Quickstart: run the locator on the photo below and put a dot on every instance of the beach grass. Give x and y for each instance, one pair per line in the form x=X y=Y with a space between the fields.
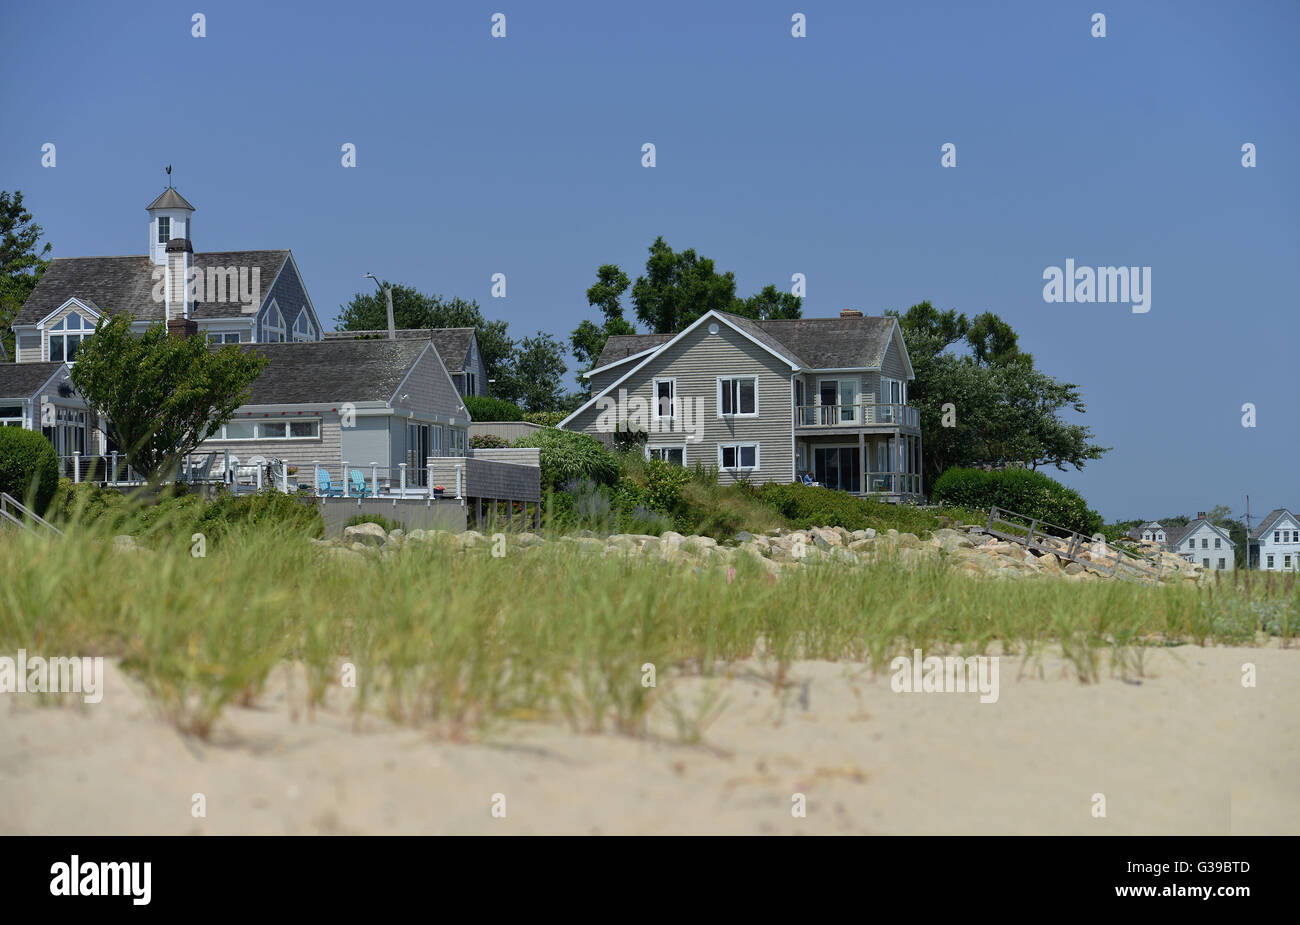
x=458 y=642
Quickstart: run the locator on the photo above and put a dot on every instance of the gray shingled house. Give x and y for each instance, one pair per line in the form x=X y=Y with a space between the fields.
x=458 y=348
x=824 y=398
x=40 y=396
x=229 y=296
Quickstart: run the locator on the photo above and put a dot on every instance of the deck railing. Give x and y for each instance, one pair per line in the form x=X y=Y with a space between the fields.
x=863 y=414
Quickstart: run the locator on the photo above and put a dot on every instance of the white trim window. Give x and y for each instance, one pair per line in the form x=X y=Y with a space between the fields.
x=223 y=337
x=665 y=392
x=270 y=429
x=164 y=228
x=273 y=325
x=456 y=441
x=67 y=336
x=435 y=440
x=737 y=396
x=738 y=457
x=302 y=328
x=668 y=453
x=11 y=416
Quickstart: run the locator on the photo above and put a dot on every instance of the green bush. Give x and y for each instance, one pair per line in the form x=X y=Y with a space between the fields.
x=1021 y=490
x=287 y=512
x=545 y=418
x=488 y=442
x=29 y=467
x=486 y=408
x=567 y=455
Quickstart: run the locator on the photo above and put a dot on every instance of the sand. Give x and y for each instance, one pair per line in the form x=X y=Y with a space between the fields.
x=1184 y=749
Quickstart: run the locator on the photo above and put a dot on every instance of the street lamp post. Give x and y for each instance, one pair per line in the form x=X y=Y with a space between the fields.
x=388 y=297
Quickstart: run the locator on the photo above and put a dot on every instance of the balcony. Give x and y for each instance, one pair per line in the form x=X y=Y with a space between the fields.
x=862 y=416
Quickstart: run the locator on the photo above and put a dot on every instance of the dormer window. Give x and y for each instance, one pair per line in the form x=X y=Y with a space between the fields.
x=302 y=330
x=66 y=337
x=164 y=229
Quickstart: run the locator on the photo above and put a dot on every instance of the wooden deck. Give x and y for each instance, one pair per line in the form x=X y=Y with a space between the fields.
x=1092 y=553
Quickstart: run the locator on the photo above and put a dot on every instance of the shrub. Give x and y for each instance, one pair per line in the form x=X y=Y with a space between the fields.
x=488 y=442
x=486 y=408
x=545 y=418
x=29 y=467
x=269 y=507
x=567 y=455
x=1021 y=490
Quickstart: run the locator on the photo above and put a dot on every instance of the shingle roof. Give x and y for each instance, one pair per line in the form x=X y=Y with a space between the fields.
x=1175 y=536
x=332 y=370
x=622 y=346
x=452 y=344
x=170 y=199
x=126 y=284
x=21 y=380
x=810 y=343
x=1267 y=523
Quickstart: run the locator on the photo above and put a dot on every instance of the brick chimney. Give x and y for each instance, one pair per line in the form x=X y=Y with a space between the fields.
x=180 y=255
x=182 y=327
x=850 y=313
x=1200 y=515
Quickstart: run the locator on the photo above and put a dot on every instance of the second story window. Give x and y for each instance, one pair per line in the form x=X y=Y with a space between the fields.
x=66 y=337
x=738 y=395
x=164 y=229
x=665 y=399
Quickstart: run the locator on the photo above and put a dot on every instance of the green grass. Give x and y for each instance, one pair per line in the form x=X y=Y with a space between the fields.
x=459 y=643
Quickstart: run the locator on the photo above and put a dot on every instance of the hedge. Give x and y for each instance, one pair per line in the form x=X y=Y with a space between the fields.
x=1024 y=491
x=29 y=467
x=567 y=455
x=486 y=408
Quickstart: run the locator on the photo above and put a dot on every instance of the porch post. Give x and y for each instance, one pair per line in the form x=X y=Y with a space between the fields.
x=401 y=469
x=460 y=473
x=115 y=466
x=863 y=484
x=428 y=471
x=374 y=479
x=76 y=465
x=344 y=477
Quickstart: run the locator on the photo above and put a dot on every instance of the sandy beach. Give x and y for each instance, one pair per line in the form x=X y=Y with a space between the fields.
x=1185 y=749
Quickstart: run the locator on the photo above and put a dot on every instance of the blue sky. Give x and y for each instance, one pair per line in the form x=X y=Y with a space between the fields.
x=775 y=156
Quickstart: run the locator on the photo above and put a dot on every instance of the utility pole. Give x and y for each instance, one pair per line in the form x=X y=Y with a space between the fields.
x=388 y=297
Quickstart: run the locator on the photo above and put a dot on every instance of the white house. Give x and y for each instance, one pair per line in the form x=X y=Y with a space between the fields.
x=1204 y=543
x=1274 y=545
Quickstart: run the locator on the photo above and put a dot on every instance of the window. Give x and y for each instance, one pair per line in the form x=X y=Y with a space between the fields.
x=738 y=396
x=1277 y=536
x=1286 y=562
x=435 y=445
x=1205 y=542
x=1221 y=564
x=1270 y=562
x=273 y=326
x=66 y=337
x=302 y=329
x=472 y=379
x=1295 y=536
x=223 y=337
x=672 y=454
x=738 y=456
x=1218 y=543
x=270 y=430
x=456 y=441
x=11 y=415
x=1146 y=535
x=666 y=399
x=164 y=229
x=840 y=399
x=1205 y=562
x=417 y=455
x=1191 y=544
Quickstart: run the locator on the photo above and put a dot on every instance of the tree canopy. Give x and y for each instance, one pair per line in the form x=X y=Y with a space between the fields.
x=162 y=395
x=22 y=261
x=1004 y=411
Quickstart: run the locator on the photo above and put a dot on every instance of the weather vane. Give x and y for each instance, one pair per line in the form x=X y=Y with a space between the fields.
x=169 y=175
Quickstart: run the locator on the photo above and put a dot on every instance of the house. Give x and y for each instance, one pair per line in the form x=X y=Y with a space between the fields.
x=458 y=348
x=40 y=396
x=1150 y=532
x=228 y=296
x=762 y=401
x=1274 y=546
x=1204 y=543
x=366 y=403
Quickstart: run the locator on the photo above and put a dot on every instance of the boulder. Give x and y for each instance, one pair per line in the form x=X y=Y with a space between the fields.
x=367 y=533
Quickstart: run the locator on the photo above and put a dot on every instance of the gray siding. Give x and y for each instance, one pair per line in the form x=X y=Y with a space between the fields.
x=300 y=453
x=367 y=442
x=696 y=362
x=29 y=349
x=291 y=298
x=485 y=478
x=431 y=396
x=506 y=430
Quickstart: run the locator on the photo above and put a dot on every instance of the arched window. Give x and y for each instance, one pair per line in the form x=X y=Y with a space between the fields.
x=273 y=326
x=67 y=335
x=302 y=328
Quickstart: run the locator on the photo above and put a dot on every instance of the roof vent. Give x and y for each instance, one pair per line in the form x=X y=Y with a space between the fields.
x=850 y=313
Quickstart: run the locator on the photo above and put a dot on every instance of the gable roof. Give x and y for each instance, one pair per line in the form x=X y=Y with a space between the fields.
x=318 y=372
x=1175 y=536
x=452 y=343
x=808 y=343
x=126 y=284
x=1269 y=520
x=23 y=380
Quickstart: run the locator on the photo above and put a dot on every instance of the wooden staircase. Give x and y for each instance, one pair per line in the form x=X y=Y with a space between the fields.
x=1092 y=552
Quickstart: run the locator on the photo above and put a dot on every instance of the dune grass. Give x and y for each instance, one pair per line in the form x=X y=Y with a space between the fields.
x=457 y=642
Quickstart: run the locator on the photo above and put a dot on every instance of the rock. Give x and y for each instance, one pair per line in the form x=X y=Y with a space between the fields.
x=867 y=543
x=526 y=540
x=396 y=537
x=743 y=536
x=908 y=540
x=417 y=535
x=1073 y=568
x=670 y=541
x=124 y=542
x=825 y=537
x=472 y=539
x=368 y=533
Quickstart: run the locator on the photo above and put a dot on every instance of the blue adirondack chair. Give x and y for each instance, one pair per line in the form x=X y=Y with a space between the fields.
x=357 y=482
x=325 y=487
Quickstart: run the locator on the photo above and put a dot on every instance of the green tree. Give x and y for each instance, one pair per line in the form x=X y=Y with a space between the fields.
x=1006 y=410
x=769 y=303
x=368 y=311
x=678 y=288
x=22 y=261
x=161 y=395
x=588 y=339
x=532 y=378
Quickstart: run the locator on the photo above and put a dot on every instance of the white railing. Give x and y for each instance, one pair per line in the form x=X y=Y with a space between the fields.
x=863 y=413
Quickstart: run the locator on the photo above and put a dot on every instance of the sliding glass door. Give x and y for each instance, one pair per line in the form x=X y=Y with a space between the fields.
x=838 y=467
